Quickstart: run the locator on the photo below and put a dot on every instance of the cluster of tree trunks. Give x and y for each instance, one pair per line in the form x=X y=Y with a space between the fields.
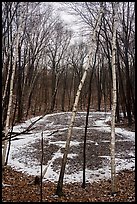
x=48 y=68
x=43 y=71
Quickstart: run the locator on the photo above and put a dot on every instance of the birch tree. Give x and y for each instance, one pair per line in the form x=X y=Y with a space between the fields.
x=7 y=125
x=77 y=56
x=88 y=63
x=87 y=115
x=114 y=99
x=9 y=10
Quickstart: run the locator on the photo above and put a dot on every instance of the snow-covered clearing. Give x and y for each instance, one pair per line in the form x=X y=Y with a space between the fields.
x=25 y=152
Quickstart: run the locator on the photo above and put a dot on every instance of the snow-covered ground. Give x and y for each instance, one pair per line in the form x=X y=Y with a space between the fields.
x=21 y=149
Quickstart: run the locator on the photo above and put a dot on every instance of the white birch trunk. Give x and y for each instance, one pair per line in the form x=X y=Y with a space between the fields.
x=8 y=74
x=60 y=181
x=113 y=169
x=6 y=84
x=7 y=126
x=17 y=40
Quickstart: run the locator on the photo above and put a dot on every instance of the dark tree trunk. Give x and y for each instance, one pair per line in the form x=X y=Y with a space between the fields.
x=64 y=91
x=53 y=86
x=128 y=88
x=99 y=90
x=117 y=106
x=85 y=136
x=88 y=109
x=121 y=86
x=13 y=122
x=19 y=88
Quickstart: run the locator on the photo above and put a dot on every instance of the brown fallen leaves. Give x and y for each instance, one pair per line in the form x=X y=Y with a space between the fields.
x=17 y=188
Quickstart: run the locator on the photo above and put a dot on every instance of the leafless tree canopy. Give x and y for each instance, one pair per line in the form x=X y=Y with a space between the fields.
x=43 y=65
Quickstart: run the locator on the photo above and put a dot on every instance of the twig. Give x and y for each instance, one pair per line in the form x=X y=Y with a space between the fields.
x=29 y=128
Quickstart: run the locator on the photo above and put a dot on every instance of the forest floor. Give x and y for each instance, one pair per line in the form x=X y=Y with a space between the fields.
x=24 y=161
x=19 y=189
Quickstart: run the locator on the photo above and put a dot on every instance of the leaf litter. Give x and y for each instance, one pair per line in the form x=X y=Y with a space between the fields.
x=25 y=156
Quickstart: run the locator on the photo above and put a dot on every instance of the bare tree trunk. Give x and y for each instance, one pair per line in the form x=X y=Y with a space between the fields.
x=54 y=93
x=64 y=159
x=86 y=126
x=88 y=109
x=6 y=85
x=32 y=86
x=99 y=89
x=13 y=122
x=10 y=104
x=19 y=87
x=114 y=100
x=121 y=86
x=117 y=106
x=41 y=165
x=7 y=126
x=64 y=91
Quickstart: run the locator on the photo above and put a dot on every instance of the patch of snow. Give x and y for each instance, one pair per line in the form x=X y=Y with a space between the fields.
x=58 y=143
x=78 y=128
x=106 y=128
x=105 y=141
x=62 y=129
x=90 y=141
x=105 y=156
x=131 y=154
x=128 y=134
x=72 y=155
x=6 y=185
x=108 y=119
x=74 y=143
x=62 y=143
x=100 y=123
x=124 y=164
x=102 y=129
x=21 y=163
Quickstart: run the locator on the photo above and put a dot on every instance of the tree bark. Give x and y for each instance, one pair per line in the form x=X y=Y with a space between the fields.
x=10 y=103
x=13 y=122
x=114 y=100
x=41 y=165
x=64 y=159
x=7 y=126
x=88 y=109
x=86 y=126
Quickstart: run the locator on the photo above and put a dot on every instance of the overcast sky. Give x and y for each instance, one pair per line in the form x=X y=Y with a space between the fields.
x=61 y=9
x=69 y=20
